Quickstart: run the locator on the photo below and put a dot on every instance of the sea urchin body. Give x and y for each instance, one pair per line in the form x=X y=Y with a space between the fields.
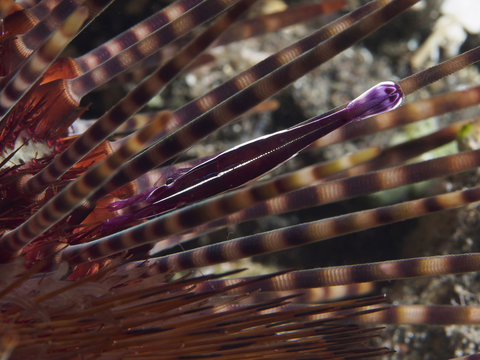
x=87 y=243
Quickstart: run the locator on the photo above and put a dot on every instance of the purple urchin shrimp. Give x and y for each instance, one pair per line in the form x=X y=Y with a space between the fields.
x=250 y=160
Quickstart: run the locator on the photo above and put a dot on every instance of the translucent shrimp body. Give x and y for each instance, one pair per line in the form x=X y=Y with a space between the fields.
x=252 y=159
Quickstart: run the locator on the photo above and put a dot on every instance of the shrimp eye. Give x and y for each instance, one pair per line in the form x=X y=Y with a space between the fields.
x=169 y=181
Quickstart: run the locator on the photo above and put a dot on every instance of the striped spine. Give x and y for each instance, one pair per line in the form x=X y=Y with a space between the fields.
x=424 y=314
x=24 y=45
x=128 y=106
x=301 y=295
x=38 y=34
x=359 y=273
x=208 y=101
x=275 y=21
x=437 y=72
x=133 y=35
x=301 y=197
x=405 y=114
x=248 y=97
x=190 y=217
x=297 y=191
x=300 y=234
x=204 y=11
x=410 y=149
x=22 y=81
x=75 y=193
